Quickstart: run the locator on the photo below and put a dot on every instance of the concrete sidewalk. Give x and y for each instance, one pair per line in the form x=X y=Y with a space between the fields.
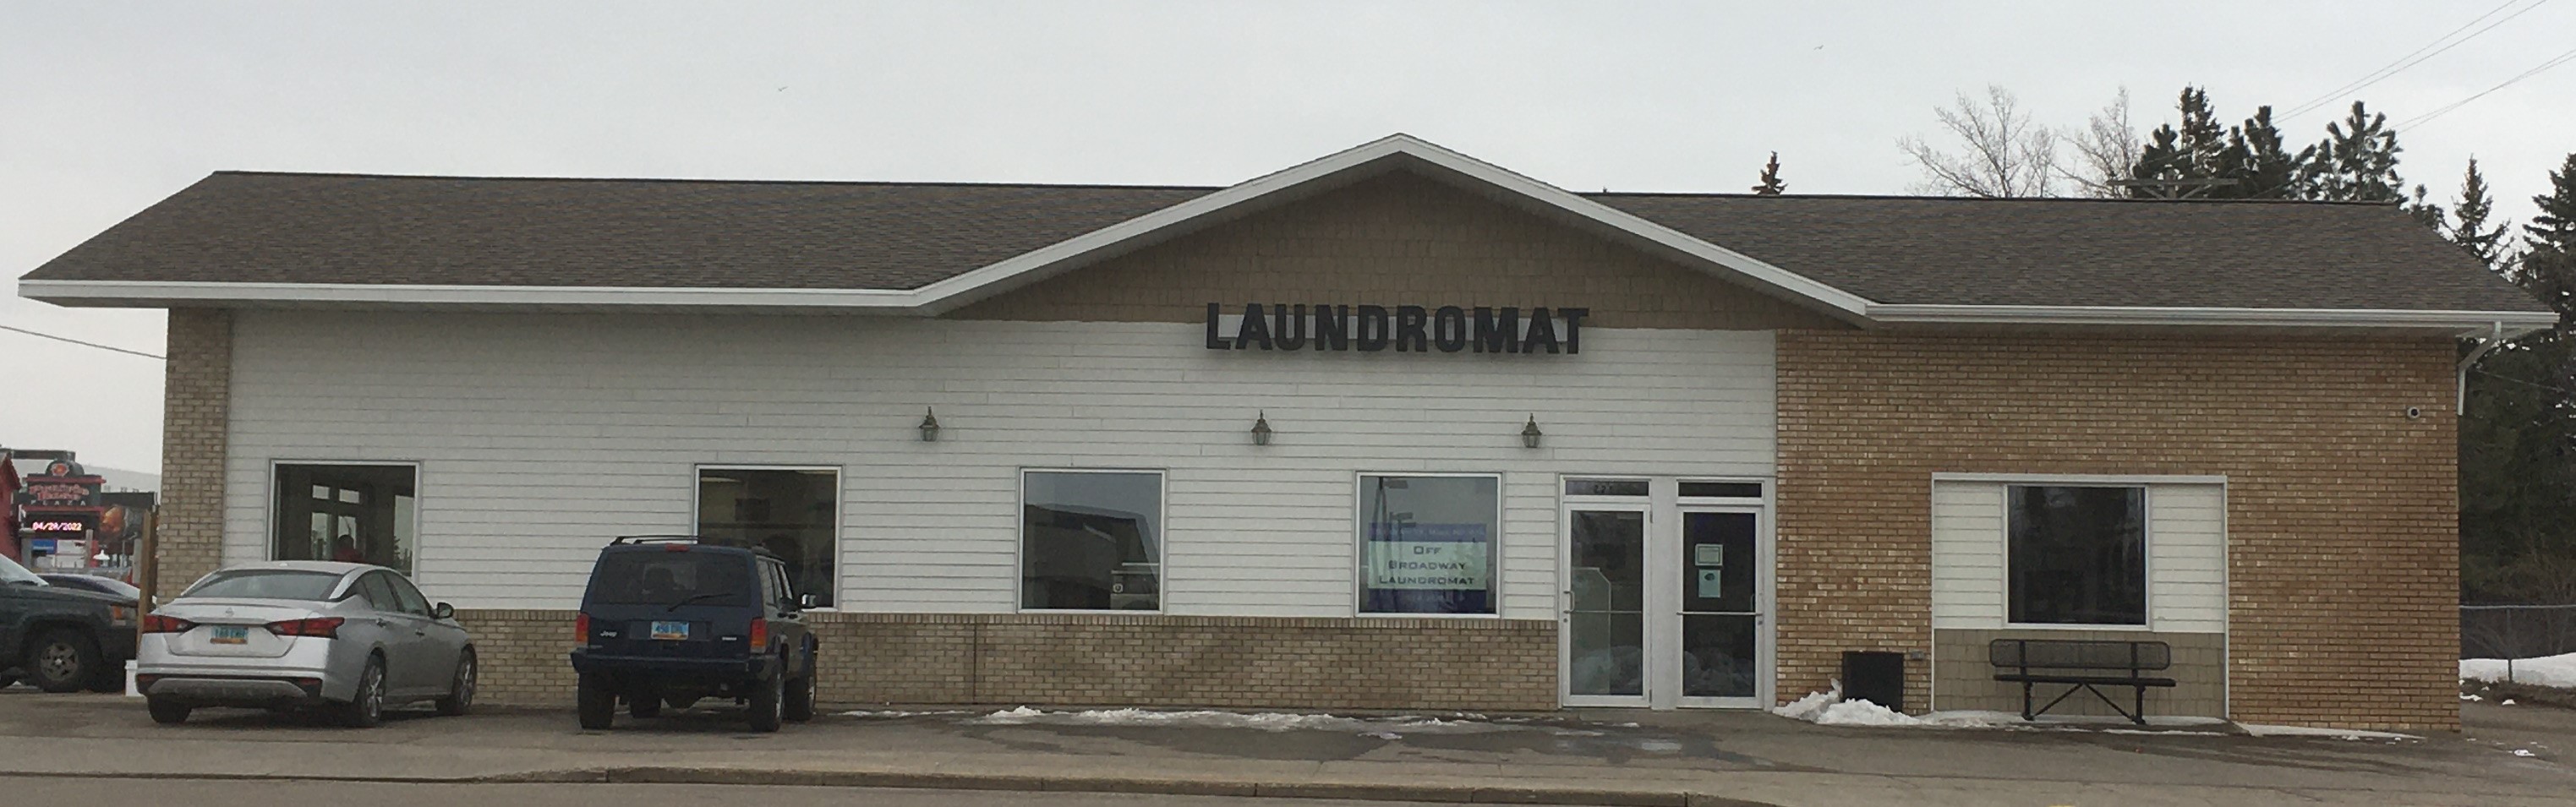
x=1610 y=758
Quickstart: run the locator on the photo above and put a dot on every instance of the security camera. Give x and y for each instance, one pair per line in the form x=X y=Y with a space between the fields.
x=2414 y=412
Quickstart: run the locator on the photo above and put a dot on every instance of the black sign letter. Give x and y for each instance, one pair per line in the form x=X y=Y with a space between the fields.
x=1215 y=342
x=1291 y=333
x=1574 y=328
x=1332 y=327
x=1408 y=329
x=1373 y=328
x=1542 y=333
x=1498 y=335
x=1255 y=331
x=1449 y=328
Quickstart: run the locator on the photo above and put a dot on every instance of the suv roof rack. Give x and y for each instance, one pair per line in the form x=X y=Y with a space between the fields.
x=655 y=539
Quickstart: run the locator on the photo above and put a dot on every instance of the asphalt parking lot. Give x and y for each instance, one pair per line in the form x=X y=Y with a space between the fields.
x=2508 y=755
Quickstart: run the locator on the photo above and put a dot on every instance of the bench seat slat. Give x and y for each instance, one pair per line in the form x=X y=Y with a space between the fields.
x=2036 y=678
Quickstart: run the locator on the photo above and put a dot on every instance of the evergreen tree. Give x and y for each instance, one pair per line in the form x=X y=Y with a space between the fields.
x=2518 y=442
x=2192 y=151
x=2469 y=226
x=2256 y=160
x=2357 y=162
x=1771 y=184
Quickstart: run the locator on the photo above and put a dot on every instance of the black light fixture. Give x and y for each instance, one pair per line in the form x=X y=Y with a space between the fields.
x=1261 y=429
x=1530 y=433
x=929 y=426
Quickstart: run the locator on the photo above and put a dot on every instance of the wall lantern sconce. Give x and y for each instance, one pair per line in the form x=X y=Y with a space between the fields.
x=1261 y=429
x=1530 y=433
x=929 y=426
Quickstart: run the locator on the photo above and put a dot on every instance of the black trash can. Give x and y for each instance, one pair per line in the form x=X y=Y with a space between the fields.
x=1877 y=677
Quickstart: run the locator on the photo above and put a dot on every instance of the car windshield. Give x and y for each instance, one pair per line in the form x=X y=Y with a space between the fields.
x=12 y=574
x=654 y=577
x=266 y=584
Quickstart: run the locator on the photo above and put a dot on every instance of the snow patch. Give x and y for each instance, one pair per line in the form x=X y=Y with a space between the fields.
x=2522 y=752
x=1257 y=721
x=2548 y=671
x=2260 y=730
x=1829 y=709
x=889 y=714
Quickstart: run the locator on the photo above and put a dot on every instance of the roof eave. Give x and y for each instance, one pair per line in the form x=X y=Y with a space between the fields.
x=2463 y=323
x=169 y=294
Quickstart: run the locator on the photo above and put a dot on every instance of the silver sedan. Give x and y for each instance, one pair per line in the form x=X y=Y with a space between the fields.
x=347 y=637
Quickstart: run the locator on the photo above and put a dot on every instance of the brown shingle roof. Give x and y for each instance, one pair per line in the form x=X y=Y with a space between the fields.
x=313 y=228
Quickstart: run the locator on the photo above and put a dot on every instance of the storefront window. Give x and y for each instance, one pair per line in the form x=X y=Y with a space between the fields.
x=1427 y=544
x=348 y=513
x=792 y=512
x=1089 y=540
x=2079 y=555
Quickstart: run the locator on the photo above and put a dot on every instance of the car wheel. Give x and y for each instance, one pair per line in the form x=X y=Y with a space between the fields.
x=799 y=706
x=766 y=701
x=596 y=702
x=62 y=660
x=366 y=707
x=644 y=704
x=165 y=712
x=460 y=692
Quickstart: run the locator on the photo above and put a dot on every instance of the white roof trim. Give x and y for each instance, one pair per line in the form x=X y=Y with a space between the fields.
x=2466 y=322
x=134 y=292
x=964 y=288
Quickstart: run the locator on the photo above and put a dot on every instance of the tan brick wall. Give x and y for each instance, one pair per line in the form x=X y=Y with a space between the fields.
x=1963 y=678
x=2342 y=512
x=1390 y=240
x=1067 y=660
x=196 y=414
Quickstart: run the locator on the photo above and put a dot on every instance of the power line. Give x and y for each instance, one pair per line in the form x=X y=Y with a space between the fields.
x=2563 y=58
x=2410 y=60
x=78 y=342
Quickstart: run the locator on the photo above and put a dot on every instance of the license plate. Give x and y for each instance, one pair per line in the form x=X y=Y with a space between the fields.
x=670 y=630
x=231 y=634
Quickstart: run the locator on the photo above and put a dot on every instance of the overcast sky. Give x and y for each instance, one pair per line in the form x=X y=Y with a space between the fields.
x=104 y=111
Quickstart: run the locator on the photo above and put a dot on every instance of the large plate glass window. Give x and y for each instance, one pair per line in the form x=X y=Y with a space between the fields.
x=2078 y=554
x=345 y=512
x=792 y=512
x=1091 y=540
x=1427 y=543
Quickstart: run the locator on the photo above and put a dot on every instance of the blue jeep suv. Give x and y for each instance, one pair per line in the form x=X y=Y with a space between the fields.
x=671 y=620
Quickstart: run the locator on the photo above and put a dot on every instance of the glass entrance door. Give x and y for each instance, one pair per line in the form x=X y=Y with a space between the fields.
x=1666 y=592
x=1605 y=619
x=1720 y=577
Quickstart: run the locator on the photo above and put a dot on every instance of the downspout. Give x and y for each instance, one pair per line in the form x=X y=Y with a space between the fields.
x=2493 y=342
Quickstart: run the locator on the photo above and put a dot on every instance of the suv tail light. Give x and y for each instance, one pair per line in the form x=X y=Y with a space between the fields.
x=156 y=623
x=581 y=628
x=759 y=634
x=327 y=627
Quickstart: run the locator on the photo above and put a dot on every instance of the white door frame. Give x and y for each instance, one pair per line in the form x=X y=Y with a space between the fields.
x=1661 y=643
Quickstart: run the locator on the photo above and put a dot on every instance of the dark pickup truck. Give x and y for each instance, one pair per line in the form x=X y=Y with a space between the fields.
x=59 y=638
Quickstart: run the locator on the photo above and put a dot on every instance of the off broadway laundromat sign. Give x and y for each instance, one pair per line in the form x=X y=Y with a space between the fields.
x=1403 y=328
x=1428 y=557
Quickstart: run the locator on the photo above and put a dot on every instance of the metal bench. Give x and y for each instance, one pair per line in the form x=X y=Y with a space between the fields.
x=2082 y=664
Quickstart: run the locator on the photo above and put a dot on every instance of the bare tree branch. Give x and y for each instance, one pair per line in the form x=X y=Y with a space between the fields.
x=2004 y=154
x=2106 y=150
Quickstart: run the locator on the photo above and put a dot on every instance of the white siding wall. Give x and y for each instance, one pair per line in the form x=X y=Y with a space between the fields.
x=540 y=436
x=2186 y=556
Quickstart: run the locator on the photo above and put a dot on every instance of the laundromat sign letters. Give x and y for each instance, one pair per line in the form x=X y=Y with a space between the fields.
x=1402 y=328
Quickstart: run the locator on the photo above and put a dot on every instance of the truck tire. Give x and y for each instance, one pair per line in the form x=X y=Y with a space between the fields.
x=61 y=660
x=596 y=702
x=768 y=702
x=799 y=705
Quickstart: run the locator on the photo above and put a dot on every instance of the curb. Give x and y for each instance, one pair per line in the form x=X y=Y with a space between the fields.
x=1352 y=791
x=896 y=780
